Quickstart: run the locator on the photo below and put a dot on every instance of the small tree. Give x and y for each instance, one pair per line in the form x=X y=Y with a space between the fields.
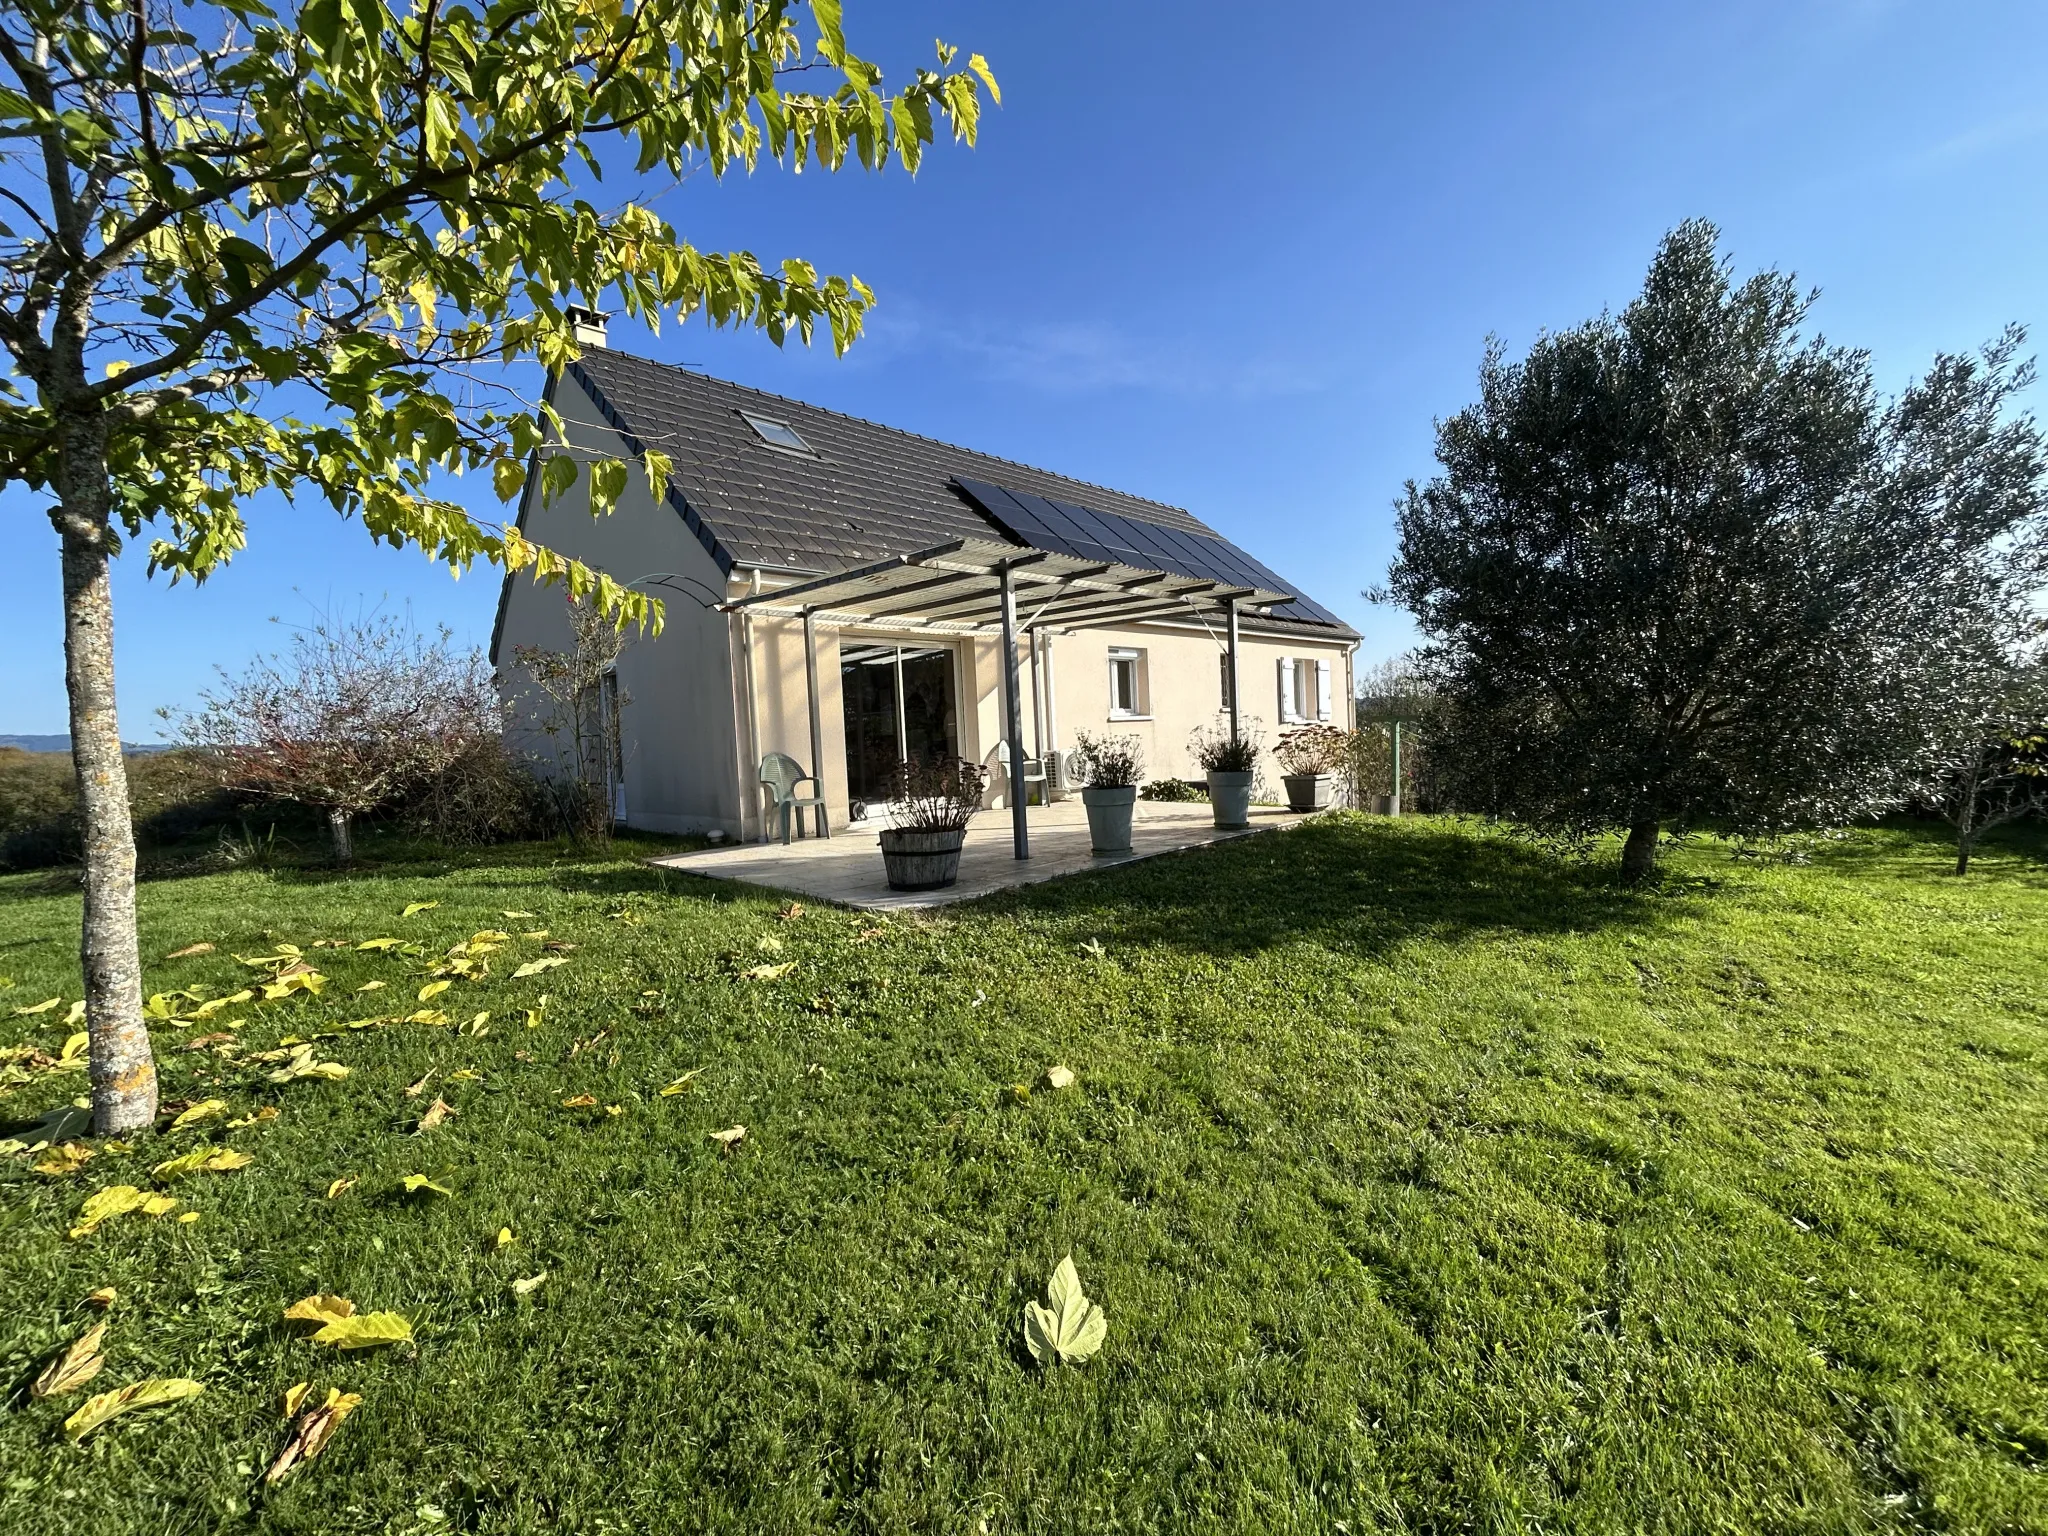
x=223 y=214
x=581 y=714
x=357 y=714
x=1682 y=563
x=1992 y=766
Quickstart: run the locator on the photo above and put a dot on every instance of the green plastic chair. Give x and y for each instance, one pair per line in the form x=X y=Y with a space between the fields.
x=780 y=775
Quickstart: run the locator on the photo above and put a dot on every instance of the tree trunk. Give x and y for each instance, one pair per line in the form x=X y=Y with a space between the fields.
x=1963 y=846
x=1639 y=853
x=123 y=1070
x=337 y=830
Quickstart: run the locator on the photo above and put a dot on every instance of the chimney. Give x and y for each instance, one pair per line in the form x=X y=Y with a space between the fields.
x=586 y=325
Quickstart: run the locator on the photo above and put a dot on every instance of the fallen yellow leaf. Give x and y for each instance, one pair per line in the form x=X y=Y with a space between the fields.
x=316 y=1428
x=320 y=1308
x=103 y=1298
x=34 y=1008
x=505 y=1237
x=1059 y=1077
x=433 y=989
x=729 y=1139
x=436 y=1116
x=115 y=1200
x=205 y=1109
x=683 y=1083
x=413 y=908
x=140 y=1394
x=365 y=1330
x=293 y=1397
x=201 y=948
x=581 y=1101
x=75 y=1367
x=63 y=1161
x=202 y=1159
x=529 y=1285
x=373 y=986
x=340 y=1187
x=535 y=967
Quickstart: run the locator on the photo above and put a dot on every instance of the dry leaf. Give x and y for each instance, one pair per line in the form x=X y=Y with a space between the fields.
x=380 y=944
x=116 y=1200
x=420 y=1184
x=341 y=1187
x=201 y=1042
x=529 y=1285
x=373 y=986
x=792 y=912
x=1071 y=1328
x=416 y=1089
x=683 y=1083
x=140 y=1394
x=34 y=1008
x=537 y=934
x=205 y=1109
x=729 y=1139
x=202 y=1159
x=189 y=950
x=103 y=1298
x=302 y=1065
x=75 y=1367
x=432 y=990
x=1059 y=1077
x=768 y=972
x=436 y=1115
x=489 y=936
x=413 y=908
x=527 y=915
x=315 y=1428
x=580 y=1101
x=74 y=1058
x=262 y=1116
x=365 y=1330
x=63 y=1161
x=535 y=967
x=320 y=1308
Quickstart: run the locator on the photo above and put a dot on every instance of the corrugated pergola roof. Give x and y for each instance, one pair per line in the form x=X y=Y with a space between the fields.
x=955 y=587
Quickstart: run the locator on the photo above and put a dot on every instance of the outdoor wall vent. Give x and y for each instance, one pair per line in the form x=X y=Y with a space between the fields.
x=586 y=325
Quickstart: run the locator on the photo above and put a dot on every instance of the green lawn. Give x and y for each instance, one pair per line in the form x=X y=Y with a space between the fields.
x=1429 y=1183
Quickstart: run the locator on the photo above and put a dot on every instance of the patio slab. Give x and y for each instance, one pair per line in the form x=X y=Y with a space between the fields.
x=846 y=868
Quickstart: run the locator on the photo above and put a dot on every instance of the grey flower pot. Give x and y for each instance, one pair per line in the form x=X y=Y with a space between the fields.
x=1230 y=797
x=1308 y=791
x=921 y=861
x=1109 y=816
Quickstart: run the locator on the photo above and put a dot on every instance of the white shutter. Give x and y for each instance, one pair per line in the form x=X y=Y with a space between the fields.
x=1323 y=691
x=1286 y=691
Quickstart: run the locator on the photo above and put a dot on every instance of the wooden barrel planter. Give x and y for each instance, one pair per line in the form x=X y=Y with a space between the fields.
x=921 y=861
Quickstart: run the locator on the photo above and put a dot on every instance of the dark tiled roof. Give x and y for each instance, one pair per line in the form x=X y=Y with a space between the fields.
x=871 y=492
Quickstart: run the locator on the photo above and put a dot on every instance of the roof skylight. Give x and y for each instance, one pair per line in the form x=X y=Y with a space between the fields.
x=777 y=434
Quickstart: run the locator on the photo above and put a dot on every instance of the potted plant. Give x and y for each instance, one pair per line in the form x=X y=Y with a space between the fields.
x=929 y=808
x=1112 y=765
x=1310 y=758
x=1231 y=764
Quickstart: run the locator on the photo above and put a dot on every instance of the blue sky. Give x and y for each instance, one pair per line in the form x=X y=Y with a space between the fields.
x=1242 y=269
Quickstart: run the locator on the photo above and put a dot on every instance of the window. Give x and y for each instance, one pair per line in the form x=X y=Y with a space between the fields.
x=1304 y=690
x=1127 y=684
x=777 y=434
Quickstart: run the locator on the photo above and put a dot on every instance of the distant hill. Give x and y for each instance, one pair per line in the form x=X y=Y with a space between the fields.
x=63 y=744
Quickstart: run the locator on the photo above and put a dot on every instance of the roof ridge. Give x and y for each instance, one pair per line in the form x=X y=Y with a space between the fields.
x=883 y=426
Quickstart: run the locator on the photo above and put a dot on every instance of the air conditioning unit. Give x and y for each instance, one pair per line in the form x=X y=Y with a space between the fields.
x=1063 y=771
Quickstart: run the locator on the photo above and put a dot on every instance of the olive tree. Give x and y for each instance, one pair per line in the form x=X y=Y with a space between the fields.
x=1683 y=562
x=296 y=247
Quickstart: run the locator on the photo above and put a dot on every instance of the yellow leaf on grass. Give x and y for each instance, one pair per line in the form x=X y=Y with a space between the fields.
x=262 y=1116
x=61 y=1162
x=75 y=1014
x=792 y=912
x=315 y=1428
x=426 y=1016
x=414 y=1090
x=34 y=1008
x=414 y=908
x=529 y=1285
x=293 y=1397
x=320 y=1308
x=519 y=914
x=340 y=1187
x=302 y=1064
x=436 y=1115
x=104 y=1205
x=373 y=986
x=1070 y=1327
x=433 y=989
x=729 y=1139
x=201 y=948
x=537 y=934
x=420 y=1184
x=768 y=972
x=203 y=1159
x=365 y=1330
x=381 y=943
x=75 y=1367
x=188 y=1218
x=505 y=1237
x=535 y=967
x=205 y=1109
x=464 y=1074
x=103 y=1298
x=580 y=1101
x=1059 y=1077
x=163 y=1205
x=683 y=1083
x=74 y=1058
x=489 y=936
x=140 y=1394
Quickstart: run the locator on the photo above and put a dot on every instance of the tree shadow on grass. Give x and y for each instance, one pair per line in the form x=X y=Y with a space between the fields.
x=1358 y=885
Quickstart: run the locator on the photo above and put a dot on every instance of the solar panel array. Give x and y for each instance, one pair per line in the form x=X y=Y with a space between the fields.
x=1066 y=529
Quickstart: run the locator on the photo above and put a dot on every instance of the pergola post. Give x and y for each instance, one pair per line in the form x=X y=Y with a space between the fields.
x=1230 y=613
x=817 y=723
x=1013 y=716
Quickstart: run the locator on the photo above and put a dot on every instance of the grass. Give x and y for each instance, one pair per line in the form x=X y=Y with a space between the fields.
x=1429 y=1184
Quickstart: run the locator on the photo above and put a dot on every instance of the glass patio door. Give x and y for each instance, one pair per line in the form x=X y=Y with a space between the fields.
x=900 y=703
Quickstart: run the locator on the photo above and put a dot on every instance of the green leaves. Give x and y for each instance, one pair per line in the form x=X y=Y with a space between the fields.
x=1071 y=1328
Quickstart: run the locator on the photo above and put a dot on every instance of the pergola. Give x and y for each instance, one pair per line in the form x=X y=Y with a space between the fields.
x=975 y=586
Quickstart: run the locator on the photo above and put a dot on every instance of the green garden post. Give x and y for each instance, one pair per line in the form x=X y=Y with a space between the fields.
x=1395 y=801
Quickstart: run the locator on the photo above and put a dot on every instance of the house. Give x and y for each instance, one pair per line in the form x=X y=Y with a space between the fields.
x=839 y=591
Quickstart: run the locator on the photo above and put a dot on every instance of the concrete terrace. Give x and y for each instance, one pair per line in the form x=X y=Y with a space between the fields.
x=846 y=868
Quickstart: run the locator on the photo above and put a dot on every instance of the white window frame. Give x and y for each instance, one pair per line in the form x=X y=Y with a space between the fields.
x=1304 y=688
x=1140 y=707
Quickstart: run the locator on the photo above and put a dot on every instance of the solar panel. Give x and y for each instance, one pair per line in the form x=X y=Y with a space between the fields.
x=1088 y=533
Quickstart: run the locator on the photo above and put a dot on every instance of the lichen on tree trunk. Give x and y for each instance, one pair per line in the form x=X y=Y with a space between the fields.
x=124 y=1087
x=338 y=834
x=1639 y=853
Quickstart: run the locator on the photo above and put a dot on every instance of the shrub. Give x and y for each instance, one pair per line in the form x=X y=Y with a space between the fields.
x=1217 y=752
x=172 y=796
x=1178 y=790
x=1313 y=749
x=936 y=795
x=1110 y=762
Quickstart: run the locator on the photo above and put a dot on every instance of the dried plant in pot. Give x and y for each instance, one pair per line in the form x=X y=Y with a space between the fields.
x=1113 y=767
x=1309 y=760
x=930 y=804
x=1231 y=764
